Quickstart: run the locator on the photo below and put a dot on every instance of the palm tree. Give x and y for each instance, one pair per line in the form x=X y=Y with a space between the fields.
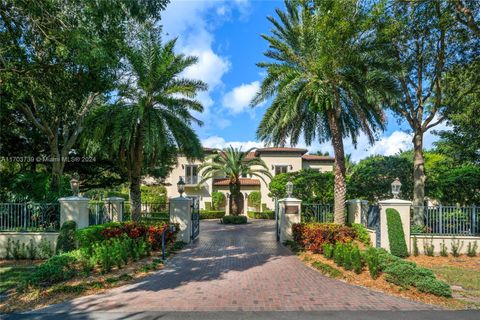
x=152 y=113
x=325 y=79
x=233 y=164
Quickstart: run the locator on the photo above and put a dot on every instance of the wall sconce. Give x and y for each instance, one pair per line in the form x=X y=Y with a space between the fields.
x=291 y=167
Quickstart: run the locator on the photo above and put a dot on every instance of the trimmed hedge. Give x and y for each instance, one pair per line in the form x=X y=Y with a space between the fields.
x=149 y=232
x=211 y=214
x=234 y=219
x=269 y=214
x=396 y=237
x=406 y=273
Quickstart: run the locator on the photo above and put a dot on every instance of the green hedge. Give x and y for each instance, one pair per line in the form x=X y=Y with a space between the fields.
x=234 y=220
x=396 y=237
x=406 y=273
x=261 y=215
x=211 y=214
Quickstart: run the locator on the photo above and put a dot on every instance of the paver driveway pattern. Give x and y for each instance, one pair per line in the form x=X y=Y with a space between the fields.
x=231 y=268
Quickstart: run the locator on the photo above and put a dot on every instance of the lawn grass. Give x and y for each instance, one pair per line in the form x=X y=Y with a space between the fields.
x=13 y=275
x=466 y=278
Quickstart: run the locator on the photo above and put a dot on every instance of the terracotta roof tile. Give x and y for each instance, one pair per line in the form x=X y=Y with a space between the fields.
x=250 y=155
x=243 y=182
x=281 y=149
x=314 y=157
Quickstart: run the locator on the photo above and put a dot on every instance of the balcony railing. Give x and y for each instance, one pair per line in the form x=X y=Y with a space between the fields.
x=191 y=180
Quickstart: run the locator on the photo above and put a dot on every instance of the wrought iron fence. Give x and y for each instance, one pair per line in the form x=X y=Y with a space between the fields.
x=316 y=212
x=151 y=210
x=448 y=220
x=30 y=217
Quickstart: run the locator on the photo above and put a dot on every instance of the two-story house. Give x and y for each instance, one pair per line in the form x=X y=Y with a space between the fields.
x=278 y=160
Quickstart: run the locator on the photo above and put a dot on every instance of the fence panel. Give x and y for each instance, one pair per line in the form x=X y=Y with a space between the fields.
x=316 y=212
x=30 y=216
x=151 y=210
x=449 y=220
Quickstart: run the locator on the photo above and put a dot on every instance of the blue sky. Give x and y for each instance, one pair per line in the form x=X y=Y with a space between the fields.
x=225 y=35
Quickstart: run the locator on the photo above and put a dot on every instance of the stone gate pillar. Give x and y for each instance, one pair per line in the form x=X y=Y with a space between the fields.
x=181 y=213
x=74 y=208
x=403 y=208
x=289 y=213
x=114 y=206
x=354 y=211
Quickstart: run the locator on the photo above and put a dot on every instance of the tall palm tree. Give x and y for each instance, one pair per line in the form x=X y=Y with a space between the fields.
x=325 y=79
x=153 y=112
x=233 y=163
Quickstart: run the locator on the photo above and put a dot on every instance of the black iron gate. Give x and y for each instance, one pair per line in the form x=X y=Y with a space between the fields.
x=373 y=221
x=195 y=219
x=277 y=222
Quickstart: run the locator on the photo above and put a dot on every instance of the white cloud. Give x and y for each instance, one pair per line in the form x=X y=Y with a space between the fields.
x=220 y=143
x=194 y=22
x=238 y=99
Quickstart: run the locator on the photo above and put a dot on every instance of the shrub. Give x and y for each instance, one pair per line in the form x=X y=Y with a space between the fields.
x=67 y=240
x=347 y=258
x=428 y=247
x=327 y=269
x=234 y=219
x=56 y=269
x=312 y=236
x=443 y=249
x=268 y=214
x=328 y=250
x=356 y=260
x=151 y=233
x=434 y=286
x=218 y=200
x=32 y=250
x=208 y=206
x=338 y=254
x=254 y=199
x=373 y=262
x=212 y=214
x=396 y=237
x=456 y=247
x=406 y=274
x=472 y=249
x=45 y=249
x=361 y=233
x=415 y=247
x=103 y=255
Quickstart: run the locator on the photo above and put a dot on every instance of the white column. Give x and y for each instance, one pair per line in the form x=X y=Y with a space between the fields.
x=181 y=213
x=227 y=206
x=354 y=210
x=403 y=208
x=289 y=213
x=76 y=209
x=115 y=208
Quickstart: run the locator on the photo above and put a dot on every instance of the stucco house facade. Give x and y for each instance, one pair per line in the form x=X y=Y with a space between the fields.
x=278 y=160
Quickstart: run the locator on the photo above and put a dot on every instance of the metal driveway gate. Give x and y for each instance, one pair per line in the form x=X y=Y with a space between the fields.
x=373 y=221
x=195 y=218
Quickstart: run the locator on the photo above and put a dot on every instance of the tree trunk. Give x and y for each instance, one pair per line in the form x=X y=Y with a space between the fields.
x=135 y=198
x=57 y=164
x=418 y=178
x=136 y=173
x=57 y=172
x=234 y=197
x=340 y=188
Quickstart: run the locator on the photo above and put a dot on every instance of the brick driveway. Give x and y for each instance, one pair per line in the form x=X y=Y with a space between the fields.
x=231 y=268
